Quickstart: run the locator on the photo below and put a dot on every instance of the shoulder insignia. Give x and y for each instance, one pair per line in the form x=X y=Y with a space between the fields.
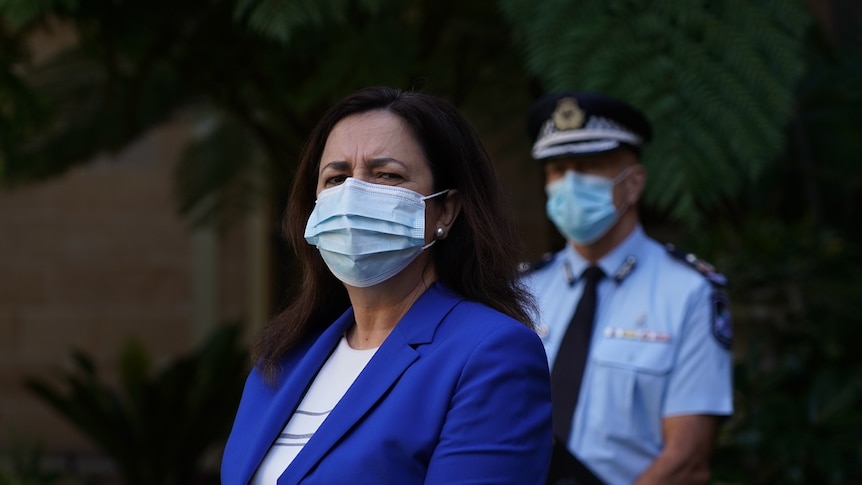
x=722 y=323
x=699 y=265
x=526 y=268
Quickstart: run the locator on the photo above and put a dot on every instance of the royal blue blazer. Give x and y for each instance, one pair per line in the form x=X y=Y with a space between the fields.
x=458 y=393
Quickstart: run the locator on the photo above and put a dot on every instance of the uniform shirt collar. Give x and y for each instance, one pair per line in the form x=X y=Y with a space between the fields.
x=611 y=262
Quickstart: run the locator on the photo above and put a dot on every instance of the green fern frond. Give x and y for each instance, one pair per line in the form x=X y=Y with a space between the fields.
x=716 y=79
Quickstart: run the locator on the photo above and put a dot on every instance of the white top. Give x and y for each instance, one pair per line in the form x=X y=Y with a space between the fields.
x=329 y=386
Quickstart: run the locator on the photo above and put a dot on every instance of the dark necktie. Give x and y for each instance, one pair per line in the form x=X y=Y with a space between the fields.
x=572 y=356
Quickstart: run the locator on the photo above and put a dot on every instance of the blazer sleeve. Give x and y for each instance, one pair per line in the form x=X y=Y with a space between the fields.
x=498 y=427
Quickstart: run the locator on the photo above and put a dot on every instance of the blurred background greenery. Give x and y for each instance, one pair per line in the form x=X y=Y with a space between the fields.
x=757 y=106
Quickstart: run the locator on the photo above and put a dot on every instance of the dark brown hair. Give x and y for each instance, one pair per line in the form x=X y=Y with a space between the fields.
x=479 y=257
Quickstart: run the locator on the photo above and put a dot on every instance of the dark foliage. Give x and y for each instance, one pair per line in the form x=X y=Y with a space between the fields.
x=159 y=424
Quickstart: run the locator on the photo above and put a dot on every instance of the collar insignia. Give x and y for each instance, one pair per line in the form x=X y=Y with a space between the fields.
x=626 y=268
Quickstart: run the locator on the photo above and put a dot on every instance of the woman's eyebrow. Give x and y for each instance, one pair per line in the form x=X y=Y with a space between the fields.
x=339 y=165
x=335 y=165
x=379 y=162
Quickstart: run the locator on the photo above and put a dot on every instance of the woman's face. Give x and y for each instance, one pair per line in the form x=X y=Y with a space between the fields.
x=374 y=147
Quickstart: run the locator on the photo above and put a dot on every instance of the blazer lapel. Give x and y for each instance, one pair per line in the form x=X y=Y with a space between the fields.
x=291 y=390
x=390 y=361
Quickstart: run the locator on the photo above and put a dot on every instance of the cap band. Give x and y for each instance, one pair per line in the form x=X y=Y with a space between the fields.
x=595 y=146
x=582 y=141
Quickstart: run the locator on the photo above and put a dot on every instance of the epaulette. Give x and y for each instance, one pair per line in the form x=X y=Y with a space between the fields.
x=699 y=265
x=546 y=259
x=721 y=321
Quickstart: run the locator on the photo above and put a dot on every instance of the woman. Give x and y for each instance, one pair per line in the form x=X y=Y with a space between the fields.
x=408 y=355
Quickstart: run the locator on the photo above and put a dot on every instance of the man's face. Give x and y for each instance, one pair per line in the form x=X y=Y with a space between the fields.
x=608 y=164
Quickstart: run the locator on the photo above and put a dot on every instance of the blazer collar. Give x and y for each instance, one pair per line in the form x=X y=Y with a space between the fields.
x=394 y=356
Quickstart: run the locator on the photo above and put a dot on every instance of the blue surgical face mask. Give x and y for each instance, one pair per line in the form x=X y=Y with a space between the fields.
x=582 y=206
x=367 y=233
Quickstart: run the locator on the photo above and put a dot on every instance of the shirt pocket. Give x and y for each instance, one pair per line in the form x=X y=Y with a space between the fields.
x=631 y=377
x=649 y=357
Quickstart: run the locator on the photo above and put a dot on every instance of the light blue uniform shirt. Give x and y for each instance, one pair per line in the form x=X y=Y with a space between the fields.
x=653 y=353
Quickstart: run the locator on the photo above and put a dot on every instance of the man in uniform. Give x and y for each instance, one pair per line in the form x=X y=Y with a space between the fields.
x=637 y=333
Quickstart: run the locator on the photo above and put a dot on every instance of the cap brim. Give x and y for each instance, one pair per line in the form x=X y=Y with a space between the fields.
x=577 y=148
x=582 y=142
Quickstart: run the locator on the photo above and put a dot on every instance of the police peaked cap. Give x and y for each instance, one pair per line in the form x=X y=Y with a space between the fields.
x=579 y=123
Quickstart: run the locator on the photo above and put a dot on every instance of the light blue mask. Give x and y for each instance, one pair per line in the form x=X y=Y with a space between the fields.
x=582 y=206
x=367 y=233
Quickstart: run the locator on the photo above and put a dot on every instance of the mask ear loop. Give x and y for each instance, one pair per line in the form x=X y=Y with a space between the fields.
x=435 y=194
x=619 y=178
x=625 y=173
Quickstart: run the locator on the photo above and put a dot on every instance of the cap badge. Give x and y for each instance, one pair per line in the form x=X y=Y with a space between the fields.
x=568 y=115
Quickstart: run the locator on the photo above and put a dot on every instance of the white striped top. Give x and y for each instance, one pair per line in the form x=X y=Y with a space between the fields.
x=330 y=385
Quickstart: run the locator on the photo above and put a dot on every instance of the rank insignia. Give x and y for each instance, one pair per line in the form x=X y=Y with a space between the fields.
x=568 y=115
x=717 y=279
x=722 y=323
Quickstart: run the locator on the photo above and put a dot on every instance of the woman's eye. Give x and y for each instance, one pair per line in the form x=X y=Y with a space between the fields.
x=335 y=180
x=389 y=176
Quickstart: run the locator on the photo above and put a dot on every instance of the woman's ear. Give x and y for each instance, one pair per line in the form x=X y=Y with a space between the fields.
x=450 y=207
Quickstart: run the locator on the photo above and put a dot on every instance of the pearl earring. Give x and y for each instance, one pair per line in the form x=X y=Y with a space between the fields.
x=439 y=233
